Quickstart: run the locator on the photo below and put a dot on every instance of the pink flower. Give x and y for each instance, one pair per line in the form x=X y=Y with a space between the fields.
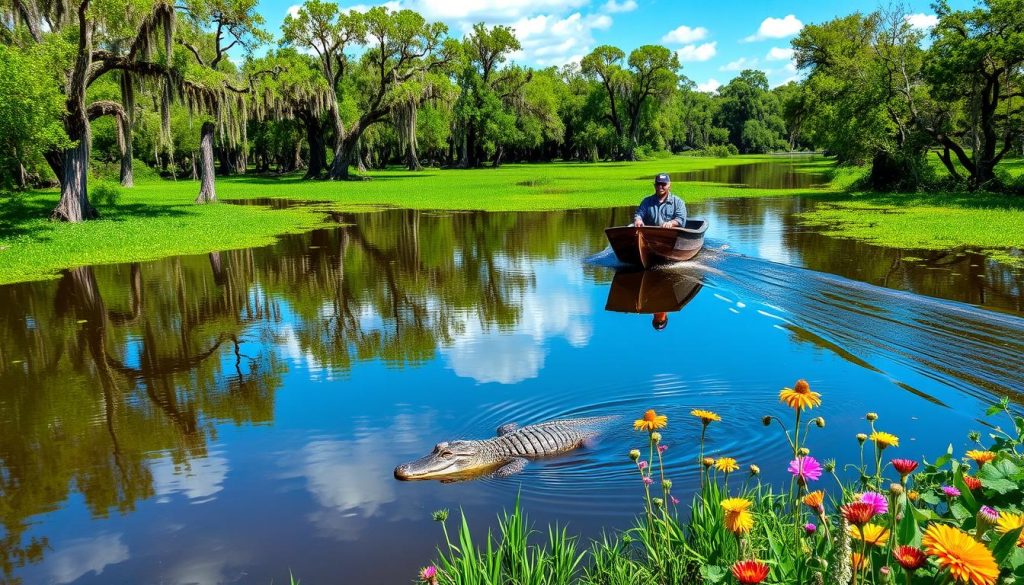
x=675 y=500
x=904 y=466
x=810 y=528
x=642 y=465
x=648 y=481
x=989 y=513
x=662 y=448
x=428 y=574
x=950 y=491
x=877 y=501
x=805 y=469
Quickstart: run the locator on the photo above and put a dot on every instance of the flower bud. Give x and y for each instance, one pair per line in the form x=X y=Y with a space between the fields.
x=861 y=437
x=634 y=454
x=884 y=575
x=707 y=461
x=666 y=484
x=755 y=470
x=974 y=436
x=872 y=416
x=912 y=495
x=985 y=520
x=895 y=489
x=804 y=452
x=830 y=465
x=819 y=422
x=440 y=515
x=656 y=437
x=658 y=502
x=627 y=539
x=766 y=420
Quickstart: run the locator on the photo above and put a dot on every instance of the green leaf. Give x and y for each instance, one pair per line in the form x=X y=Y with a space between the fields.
x=930 y=498
x=713 y=573
x=1017 y=559
x=1005 y=545
x=1001 y=476
x=994 y=409
x=966 y=497
x=907 y=532
x=923 y=516
x=959 y=511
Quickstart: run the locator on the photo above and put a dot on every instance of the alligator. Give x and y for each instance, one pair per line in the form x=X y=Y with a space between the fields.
x=504 y=455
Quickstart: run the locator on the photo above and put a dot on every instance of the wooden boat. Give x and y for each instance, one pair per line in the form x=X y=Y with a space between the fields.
x=652 y=246
x=650 y=291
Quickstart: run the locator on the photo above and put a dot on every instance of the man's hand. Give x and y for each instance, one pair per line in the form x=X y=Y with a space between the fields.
x=638 y=222
x=669 y=223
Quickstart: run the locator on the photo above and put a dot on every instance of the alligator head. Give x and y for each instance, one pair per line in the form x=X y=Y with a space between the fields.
x=448 y=461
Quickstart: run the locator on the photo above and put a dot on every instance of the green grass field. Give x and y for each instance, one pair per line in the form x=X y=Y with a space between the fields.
x=157 y=218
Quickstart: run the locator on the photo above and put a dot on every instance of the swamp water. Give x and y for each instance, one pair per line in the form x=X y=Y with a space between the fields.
x=226 y=418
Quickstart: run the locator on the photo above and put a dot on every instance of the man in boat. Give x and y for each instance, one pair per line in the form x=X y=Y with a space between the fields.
x=660 y=321
x=662 y=209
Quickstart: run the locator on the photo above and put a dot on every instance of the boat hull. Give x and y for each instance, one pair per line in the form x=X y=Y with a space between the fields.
x=654 y=246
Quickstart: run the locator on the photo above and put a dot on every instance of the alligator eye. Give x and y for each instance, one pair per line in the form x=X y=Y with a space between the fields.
x=447 y=454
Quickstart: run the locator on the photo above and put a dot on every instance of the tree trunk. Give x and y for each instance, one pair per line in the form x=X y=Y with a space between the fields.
x=297 y=155
x=361 y=166
x=127 y=174
x=208 y=190
x=74 y=198
x=317 y=148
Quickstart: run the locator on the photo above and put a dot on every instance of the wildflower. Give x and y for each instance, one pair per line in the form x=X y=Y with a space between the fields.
x=861 y=437
x=440 y=515
x=666 y=484
x=858 y=513
x=950 y=491
x=883 y=440
x=966 y=559
x=429 y=574
x=810 y=528
x=912 y=495
x=804 y=469
x=877 y=501
x=885 y=575
x=819 y=422
x=749 y=572
x=872 y=534
x=871 y=416
x=830 y=465
x=706 y=416
x=662 y=448
x=908 y=557
x=634 y=454
x=726 y=464
x=642 y=465
x=755 y=470
x=972 y=483
x=658 y=502
x=766 y=420
x=895 y=489
x=974 y=436
x=737 y=517
x=800 y=396
x=985 y=520
x=904 y=466
x=804 y=452
x=981 y=457
x=675 y=500
x=707 y=461
x=648 y=481
x=815 y=501
x=1009 y=522
x=859 y=562
x=656 y=437
x=651 y=422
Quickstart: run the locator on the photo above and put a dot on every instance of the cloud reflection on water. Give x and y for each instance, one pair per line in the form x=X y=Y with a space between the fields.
x=81 y=556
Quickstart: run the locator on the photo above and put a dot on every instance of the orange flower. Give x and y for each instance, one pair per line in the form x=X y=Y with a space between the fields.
x=706 y=416
x=750 y=572
x=1008 y=523
x=800 y=396
x=972 y=483
x=981 y=457
x=815 y=501
x=908 y=557
x=858 y=513
x=912 y=495
x=966 y=559
x=858 y=562
x=651 y=422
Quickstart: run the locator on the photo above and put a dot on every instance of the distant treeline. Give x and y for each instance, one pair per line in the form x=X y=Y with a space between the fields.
x=340 y=90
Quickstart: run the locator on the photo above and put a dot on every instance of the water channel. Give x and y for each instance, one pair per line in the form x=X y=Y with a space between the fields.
x=231 y=417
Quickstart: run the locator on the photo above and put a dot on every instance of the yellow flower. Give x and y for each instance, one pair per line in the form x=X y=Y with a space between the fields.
x=884 y=440
x=1008 y=523
x=968 y=560
x=800 y=396
x=726 y=464
x=872 y=534
x=740 y=522
x=981 y=457
x=734 y=505
x=651 y=422
x=706 y=416
x=815 y=500
x=912 y=495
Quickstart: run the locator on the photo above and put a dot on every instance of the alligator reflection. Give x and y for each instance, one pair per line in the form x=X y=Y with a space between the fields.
x=656 y=292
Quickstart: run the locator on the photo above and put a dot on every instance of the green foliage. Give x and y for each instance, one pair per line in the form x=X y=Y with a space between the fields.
x=751 y=114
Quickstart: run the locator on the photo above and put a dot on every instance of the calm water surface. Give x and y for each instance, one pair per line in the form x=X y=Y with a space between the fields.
x=226 y=418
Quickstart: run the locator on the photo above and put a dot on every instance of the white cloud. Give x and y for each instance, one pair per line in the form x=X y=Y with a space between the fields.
x=710 y=86
x=685 y=35
x=779 y=54
x=613 y=6
x=489 y=11
x=551 y=40
x=776 y=28
x=739 y=64
x=698 y=52
x=199 y=479
x=922 y=21
x=80 y=556
x=393 y=6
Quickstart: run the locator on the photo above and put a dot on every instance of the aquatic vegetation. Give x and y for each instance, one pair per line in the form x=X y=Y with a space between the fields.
x=933 y=522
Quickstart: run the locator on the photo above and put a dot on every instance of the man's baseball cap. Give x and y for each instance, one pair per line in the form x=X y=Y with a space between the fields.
x=662 y=179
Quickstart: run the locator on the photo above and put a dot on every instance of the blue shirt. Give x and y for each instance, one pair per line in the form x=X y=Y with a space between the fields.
x=654 y=212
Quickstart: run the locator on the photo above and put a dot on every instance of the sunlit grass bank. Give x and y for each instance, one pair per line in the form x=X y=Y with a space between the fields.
x=157 y=218
x=954 y=519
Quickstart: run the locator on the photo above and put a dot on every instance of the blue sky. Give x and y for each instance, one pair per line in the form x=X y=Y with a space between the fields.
x=714 y=39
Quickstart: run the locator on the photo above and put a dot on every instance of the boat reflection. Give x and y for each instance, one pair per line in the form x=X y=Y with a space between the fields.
x=654 y=292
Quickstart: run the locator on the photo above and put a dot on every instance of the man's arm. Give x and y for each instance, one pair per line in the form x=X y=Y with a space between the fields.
x=680 y=215
x=638 y=215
